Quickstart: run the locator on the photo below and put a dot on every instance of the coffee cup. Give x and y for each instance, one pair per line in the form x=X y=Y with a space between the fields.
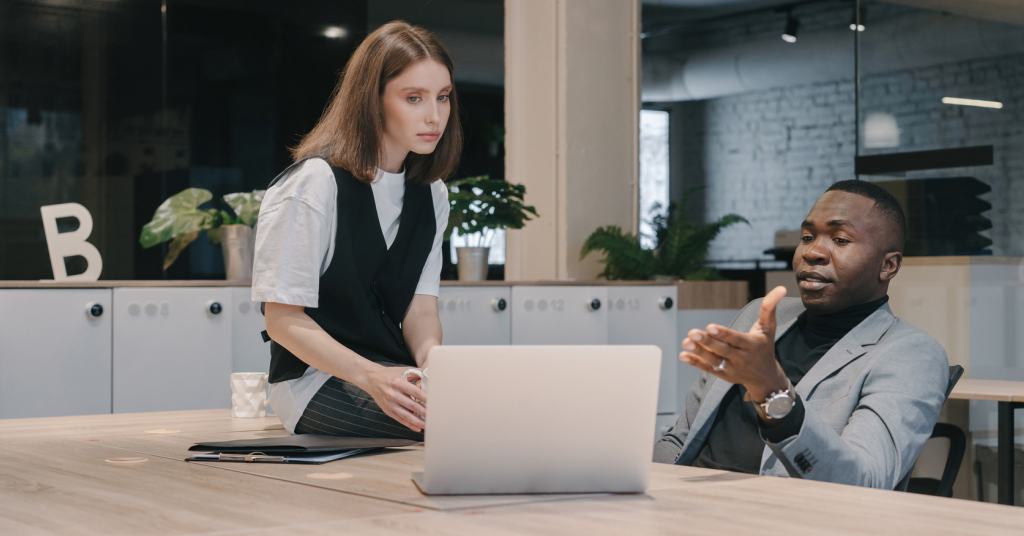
x=249 y=394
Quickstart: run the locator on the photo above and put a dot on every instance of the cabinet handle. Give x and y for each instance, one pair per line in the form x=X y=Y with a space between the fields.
x=666 y=303
x=594 y=304
x=215 y=308
x=499 y=304
x=94 y=310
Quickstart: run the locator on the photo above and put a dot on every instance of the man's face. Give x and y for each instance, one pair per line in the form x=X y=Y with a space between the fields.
x=842 y=259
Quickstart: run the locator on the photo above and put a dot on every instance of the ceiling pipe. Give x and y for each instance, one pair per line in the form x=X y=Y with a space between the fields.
x=906 y=42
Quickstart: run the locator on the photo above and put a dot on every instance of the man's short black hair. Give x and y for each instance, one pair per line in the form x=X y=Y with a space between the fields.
x=885 y=203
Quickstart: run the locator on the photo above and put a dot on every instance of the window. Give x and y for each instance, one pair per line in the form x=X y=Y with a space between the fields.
x=654 y=159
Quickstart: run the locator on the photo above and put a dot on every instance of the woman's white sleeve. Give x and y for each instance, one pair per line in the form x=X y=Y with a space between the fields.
x=430 y=278
x=293 y=239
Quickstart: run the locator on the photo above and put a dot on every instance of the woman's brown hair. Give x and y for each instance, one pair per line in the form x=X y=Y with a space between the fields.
x=348 y=134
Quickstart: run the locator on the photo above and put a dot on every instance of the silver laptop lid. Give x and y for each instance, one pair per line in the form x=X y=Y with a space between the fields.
x=540 y=419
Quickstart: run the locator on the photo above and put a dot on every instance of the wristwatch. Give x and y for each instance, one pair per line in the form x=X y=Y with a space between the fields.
x=777 y=405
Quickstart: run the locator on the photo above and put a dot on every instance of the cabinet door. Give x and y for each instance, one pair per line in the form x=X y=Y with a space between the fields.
x=697 y=318
x=476 y=315
x=54 y=352
x=647 y=315
x=559 y=315
x=249 y=352
x=172 y=348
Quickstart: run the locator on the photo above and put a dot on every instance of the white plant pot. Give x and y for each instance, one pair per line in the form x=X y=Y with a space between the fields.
x=472 y=263
x=238 y=243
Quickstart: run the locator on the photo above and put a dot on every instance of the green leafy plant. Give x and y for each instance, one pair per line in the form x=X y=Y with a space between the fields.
x=180 y=219
x=680 y=248
x=481 y=205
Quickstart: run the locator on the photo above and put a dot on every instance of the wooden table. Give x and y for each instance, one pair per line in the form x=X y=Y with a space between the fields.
x=124 y=474
x=1010 y=397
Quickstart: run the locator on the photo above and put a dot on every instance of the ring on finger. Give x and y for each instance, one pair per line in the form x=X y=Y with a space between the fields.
x=721 y=365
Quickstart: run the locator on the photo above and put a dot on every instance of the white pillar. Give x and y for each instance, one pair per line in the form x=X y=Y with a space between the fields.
x=572 y=83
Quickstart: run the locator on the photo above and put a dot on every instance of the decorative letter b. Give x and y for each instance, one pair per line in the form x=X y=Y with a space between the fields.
x=72 y=243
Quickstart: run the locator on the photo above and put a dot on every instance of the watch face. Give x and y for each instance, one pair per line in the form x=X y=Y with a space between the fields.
x=779 y=407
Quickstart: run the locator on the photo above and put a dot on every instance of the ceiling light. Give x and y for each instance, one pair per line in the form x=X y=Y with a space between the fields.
x=335 y=32
x=792 y=26
x=973 y=102
x=858 y=19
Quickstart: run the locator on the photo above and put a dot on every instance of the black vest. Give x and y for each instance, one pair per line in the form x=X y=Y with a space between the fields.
x=367 y=288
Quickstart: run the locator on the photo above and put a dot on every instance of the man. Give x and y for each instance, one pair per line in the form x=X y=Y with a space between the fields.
x=830 y=387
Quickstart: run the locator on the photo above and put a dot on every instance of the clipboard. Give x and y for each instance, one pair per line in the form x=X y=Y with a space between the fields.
x=302 y=448
x=259 y=457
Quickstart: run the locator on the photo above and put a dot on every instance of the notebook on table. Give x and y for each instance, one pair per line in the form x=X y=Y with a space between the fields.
x=302 y=448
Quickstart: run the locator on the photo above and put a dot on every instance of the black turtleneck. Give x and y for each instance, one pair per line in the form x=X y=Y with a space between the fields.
x=735 y=441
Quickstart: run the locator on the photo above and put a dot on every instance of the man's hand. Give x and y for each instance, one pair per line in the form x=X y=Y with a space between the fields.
x=747 y=358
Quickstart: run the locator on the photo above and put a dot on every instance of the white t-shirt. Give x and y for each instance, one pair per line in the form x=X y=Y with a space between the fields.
x=295 y=238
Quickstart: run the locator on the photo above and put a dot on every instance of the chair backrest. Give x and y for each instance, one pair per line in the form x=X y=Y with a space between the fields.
x=955 y=371
x=954 y=457
x=957 y=446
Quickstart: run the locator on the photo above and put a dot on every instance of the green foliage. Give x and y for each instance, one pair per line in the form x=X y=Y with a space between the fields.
x=680 y=248
x=624 y=258
x=245 y=205
x=177 y=215
x=481 y=204
x=180 y=219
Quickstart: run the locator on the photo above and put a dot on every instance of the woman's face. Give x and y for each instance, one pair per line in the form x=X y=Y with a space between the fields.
x=416 y=109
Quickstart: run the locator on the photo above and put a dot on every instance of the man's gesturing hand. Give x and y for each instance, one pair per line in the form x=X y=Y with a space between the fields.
x=747 y=358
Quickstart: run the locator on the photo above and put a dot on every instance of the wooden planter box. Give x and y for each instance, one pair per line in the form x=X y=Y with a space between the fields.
x=711 y=294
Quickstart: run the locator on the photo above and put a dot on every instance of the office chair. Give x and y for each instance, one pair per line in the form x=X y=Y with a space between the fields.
x=943 y=487
x=957 y=445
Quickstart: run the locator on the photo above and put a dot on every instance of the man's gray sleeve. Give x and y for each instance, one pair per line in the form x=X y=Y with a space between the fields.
x=670 y=446
x=887 y=430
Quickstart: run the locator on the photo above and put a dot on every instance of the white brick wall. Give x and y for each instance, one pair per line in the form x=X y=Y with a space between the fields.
x=768 y=155
x=913 y=97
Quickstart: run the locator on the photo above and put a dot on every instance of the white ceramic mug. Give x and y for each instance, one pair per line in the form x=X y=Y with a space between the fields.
x=415 y=375
x=249 y=394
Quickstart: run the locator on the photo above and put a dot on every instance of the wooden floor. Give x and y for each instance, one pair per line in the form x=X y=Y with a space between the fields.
x=125 y=474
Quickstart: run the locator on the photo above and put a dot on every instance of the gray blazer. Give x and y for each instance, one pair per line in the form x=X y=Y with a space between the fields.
x=871 y=402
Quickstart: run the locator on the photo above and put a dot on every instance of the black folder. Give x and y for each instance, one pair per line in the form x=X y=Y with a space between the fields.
x=302 y=448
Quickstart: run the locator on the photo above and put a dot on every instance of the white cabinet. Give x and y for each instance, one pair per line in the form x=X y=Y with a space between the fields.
x=168 y=348
x=559 y=315
x=54 y=352
x=476 y=315
x=647 y=315
x=172 y=348
x=249 y=352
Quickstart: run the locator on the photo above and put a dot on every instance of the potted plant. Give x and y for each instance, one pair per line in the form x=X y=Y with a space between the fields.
x=679 y=252
x=480 y=206
x=180 y=219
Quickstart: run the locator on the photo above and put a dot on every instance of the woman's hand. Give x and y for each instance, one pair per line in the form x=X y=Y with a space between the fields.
x=400 y=399
x=292 y=328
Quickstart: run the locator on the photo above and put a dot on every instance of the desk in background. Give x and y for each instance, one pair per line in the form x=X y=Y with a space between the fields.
x=1010 y=397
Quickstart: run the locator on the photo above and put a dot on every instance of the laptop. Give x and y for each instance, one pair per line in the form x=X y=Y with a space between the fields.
x=539 y=419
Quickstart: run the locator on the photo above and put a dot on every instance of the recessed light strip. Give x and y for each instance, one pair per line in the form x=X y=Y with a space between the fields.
x=335 y=32
x=972 y=102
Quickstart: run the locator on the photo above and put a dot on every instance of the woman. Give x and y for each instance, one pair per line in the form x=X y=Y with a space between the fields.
x=348 y=246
